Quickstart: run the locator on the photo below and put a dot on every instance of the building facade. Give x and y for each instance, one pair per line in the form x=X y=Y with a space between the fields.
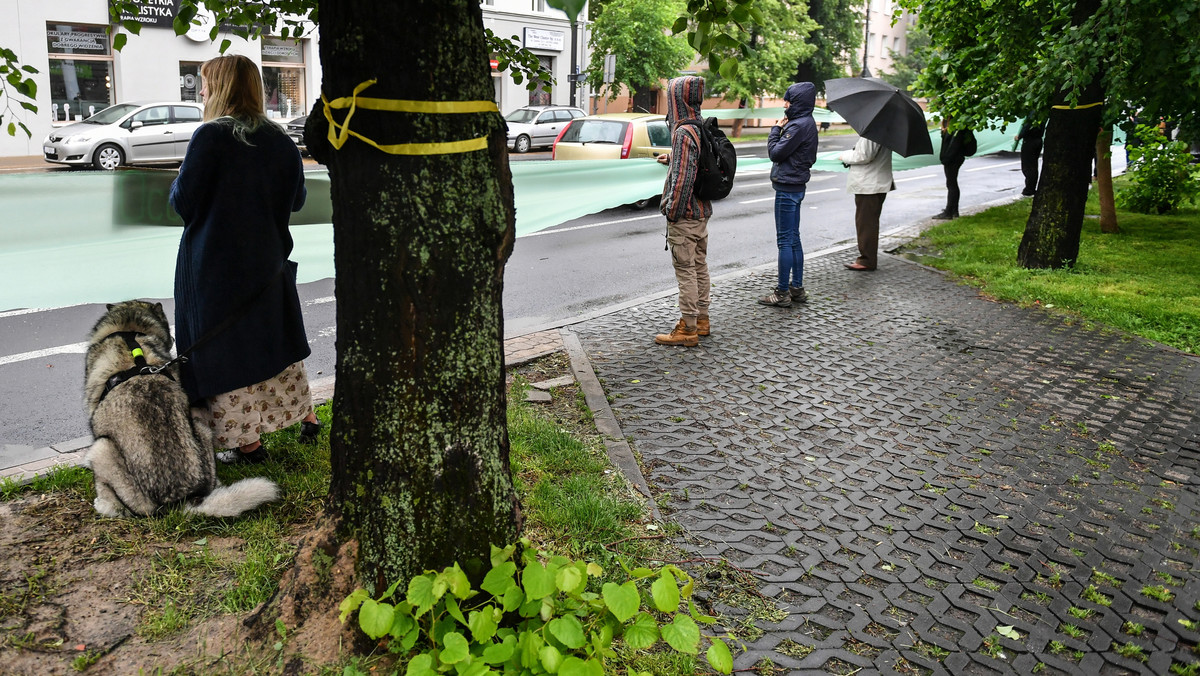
x=547 y=33
x=881 y=37
x=79 y=73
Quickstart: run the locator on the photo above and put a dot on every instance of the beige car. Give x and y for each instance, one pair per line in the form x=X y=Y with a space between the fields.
x=613 y=136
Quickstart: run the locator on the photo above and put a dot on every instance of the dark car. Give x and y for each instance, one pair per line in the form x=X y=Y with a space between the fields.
x=295 y=129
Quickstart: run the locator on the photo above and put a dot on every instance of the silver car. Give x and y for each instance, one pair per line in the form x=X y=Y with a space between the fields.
x=535 y=126
x=127 y=133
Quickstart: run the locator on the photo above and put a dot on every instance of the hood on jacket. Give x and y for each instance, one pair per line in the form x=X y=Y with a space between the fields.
x=803 y=98
x=684 y=97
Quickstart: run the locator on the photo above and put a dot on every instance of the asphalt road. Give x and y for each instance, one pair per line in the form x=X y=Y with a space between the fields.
x=553 y=277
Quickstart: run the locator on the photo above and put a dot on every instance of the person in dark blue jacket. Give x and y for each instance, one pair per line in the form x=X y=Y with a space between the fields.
x=792 y=147
x=240 y=180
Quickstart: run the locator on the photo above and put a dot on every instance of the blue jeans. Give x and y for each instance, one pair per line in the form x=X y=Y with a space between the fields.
x=787 y=238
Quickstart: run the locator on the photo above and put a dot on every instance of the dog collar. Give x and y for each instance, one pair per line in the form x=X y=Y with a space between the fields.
x=140 y=365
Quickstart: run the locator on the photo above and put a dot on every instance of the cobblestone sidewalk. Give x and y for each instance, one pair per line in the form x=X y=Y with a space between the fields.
x=926 y=481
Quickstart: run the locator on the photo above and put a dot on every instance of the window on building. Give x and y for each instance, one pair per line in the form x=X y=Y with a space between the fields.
x=80 y=70
x=541 y=95
x=189 y=81
x=283 y=78
x=895 y=44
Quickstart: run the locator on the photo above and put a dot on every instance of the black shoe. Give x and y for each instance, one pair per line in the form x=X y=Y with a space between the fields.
x=1027 y=193
x=235 y=457
x=309 y=432
x=944 y=216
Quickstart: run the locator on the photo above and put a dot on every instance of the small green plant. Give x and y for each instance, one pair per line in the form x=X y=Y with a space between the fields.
x=1133 y=628
x=1131 y=651
x=1057 y=647
x=992 y=647
x=86 y=660
x=1092 y=594
x=1102 y=577
x=1071 y=630
x=537 y=618
x=1161 y=177
x=1181 y=669
x=931 y=651
x=1190 y=625
x=1081 y=613
x=1158 y=593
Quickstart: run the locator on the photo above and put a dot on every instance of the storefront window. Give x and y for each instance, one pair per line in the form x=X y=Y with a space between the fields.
x=541 y=95
x=283 y=78
x=189 y=81
x=80 y=70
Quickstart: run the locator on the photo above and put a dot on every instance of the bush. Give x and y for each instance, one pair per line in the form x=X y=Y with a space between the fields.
x=1160 y=177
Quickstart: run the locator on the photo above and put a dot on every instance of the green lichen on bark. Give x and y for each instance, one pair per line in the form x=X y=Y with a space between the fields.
x=420 y=247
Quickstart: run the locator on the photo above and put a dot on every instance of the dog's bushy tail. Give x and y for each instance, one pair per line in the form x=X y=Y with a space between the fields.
x=238 y=497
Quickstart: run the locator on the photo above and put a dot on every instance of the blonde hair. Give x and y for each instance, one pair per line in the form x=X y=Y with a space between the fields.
x=234 y=91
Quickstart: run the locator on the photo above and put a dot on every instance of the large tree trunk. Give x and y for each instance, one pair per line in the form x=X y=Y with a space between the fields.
x=1051 y=237
x=1104 y=186
x=419 y=441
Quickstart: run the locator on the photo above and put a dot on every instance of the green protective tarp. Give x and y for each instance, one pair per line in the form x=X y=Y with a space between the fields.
x=82 y=237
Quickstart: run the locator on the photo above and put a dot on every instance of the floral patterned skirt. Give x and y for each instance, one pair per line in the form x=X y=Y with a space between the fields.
x=238 y=418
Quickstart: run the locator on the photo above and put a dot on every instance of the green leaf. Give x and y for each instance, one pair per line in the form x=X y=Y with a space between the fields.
x=351 y=603
x=499 y=579
x=530 y=647
x=460 y=586
x=513 y=599
x=119 y=41
x=719 y=657
x=498 y=653
x=571 y=7
x=642 y=633
x=452 y=608
x=570 y=580
x=665 y=592
x=569 y=630
x=134 y=27
x=375 y=618
x=622 y=600
x=729 y=68
x=1008 y=631
x=224 y=43
x=402 y=624
x=482 y=624
x=680 y=25
x=421 y=665
x=573 y=666
x=454 y=648
x=641 y=573
x=537 y=581
x=682 y=634
x=420 y=595
x=551 y=659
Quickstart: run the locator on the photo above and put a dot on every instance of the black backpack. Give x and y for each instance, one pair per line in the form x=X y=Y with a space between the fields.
x=718 y=161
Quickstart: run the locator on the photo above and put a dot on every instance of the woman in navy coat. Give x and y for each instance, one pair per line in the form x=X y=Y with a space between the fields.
x=239 y=182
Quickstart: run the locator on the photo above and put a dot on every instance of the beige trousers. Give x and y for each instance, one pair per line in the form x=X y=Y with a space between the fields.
x=689 y=252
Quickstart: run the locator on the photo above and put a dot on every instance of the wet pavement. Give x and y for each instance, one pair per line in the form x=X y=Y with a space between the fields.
x=922 y=480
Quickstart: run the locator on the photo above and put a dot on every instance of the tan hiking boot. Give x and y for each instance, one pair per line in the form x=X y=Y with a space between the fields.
x=702 y=327
x=680 y=335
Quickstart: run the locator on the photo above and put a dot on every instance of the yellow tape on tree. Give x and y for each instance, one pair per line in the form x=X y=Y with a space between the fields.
x=340 y=133
x=1086 y=105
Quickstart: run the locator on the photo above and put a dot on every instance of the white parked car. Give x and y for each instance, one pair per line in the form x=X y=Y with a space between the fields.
x=127 y=133
x=538 y=126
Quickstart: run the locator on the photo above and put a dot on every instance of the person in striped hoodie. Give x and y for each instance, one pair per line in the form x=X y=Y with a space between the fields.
x=687 y=216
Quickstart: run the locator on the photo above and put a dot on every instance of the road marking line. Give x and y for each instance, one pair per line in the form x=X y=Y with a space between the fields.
x=994 y=166
x=26 y=311
x=590 y=225
x=914 y=178
x=806 y=194
x=318 y=301
x=77 y=348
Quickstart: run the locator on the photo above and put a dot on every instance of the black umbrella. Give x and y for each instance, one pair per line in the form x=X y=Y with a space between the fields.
x=880 y=112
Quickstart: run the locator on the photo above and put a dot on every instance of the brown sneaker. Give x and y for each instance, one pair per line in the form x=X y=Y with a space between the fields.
x=680 y=335
x=702 y=327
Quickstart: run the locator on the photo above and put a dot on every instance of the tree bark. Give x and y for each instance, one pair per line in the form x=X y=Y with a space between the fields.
x=1104 y=185
x=1051 y=237
x=420 y=466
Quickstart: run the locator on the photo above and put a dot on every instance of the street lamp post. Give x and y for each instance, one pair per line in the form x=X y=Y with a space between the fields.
x=866 y=72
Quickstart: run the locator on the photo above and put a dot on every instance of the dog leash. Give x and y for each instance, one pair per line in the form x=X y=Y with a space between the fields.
x=140 y=365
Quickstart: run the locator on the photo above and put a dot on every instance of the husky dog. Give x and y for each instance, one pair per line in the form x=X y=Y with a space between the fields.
x=148 y=451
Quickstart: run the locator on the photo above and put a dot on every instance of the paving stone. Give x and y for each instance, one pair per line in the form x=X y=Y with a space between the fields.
x=538 y=397
x=16 y=454
x=900 y=447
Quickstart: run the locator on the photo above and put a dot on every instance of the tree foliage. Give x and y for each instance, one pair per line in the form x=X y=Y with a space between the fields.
x=777 y=43
x=1006 y=57
x=635 y=31
x=835 y=38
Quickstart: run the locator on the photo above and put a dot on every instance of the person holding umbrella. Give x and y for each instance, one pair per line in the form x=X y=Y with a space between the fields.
x=792 y=147
x=887 y=120
x=869 y=180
